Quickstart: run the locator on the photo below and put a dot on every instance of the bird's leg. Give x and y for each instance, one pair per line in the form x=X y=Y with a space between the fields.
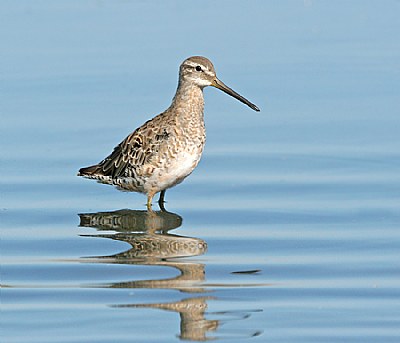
x=162 y=195
x=161 y=200
x=149 y=200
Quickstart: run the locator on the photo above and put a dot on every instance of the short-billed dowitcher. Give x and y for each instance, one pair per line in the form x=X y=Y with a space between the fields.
x=164 y=151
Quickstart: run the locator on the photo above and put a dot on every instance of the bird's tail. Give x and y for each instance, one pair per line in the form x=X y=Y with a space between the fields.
x=90 y=171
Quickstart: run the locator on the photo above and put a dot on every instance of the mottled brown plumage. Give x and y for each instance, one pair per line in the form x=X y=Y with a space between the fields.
x=164 y=150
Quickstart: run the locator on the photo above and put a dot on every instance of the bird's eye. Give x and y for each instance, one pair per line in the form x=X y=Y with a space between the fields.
x=198 y=68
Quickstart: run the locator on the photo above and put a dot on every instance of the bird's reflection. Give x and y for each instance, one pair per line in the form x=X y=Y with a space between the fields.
x=152 y=244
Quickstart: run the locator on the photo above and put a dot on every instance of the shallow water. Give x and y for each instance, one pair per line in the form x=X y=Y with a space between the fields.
x=288 y=230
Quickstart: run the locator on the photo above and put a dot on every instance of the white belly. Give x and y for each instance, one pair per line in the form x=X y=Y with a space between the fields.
x=176 y=171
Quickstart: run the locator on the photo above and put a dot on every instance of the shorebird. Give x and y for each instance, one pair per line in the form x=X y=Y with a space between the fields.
x=166 y=149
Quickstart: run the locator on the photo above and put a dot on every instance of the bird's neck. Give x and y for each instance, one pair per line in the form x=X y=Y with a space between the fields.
x=188 y=101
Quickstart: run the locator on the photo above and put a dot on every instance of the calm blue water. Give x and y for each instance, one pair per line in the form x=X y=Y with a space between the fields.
x=288 y=230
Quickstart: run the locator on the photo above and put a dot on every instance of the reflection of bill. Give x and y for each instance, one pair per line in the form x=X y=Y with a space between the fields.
x=153 y=245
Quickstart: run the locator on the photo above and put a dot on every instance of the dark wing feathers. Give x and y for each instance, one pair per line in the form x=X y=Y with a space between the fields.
x=115 y=164
x=134 y=150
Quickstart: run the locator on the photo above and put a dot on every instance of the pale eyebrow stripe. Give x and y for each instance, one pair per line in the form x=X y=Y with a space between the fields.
x=194 y=65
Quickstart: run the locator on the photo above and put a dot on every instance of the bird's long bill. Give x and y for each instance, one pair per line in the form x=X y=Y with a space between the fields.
x=223 y=87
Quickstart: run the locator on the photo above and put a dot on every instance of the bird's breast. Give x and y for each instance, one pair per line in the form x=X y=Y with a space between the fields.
x=175 y=168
